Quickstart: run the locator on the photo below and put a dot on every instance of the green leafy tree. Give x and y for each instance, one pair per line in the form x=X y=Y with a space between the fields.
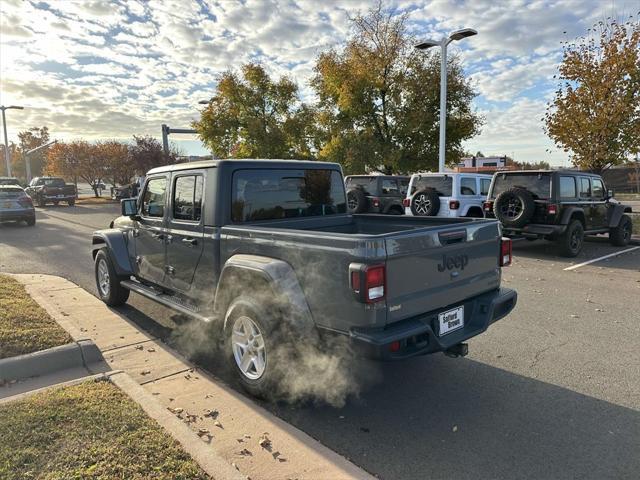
x=379 y=100
x=595 y=114
x=253 y=116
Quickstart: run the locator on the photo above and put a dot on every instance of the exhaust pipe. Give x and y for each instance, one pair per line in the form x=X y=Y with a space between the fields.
x=459 y=350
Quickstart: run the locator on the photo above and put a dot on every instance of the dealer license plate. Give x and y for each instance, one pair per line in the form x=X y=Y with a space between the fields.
x=451 y=320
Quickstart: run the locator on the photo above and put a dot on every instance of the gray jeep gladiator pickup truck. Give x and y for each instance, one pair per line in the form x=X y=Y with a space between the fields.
x=266 y=252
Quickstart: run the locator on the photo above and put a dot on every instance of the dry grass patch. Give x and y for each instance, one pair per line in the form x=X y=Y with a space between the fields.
x=25 y=326
x=91 y=430
x=91 y=200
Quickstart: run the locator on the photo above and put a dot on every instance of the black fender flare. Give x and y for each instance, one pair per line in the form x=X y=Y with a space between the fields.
x=275 y=274
x=615 y=214
x=571 y=212
x=114 y=240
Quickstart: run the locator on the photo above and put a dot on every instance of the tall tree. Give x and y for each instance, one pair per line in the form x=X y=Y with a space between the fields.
x=119 y=167
x=147 y=153
x=379 y=100
x=77 y=160
x=27 y=140
x=253 y=116
x=595 y=114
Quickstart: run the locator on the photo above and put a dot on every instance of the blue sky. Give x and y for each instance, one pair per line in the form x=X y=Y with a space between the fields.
x=113 y=68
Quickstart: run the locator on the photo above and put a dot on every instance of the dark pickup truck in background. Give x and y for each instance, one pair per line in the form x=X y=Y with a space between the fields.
x=266 y=252
x=54 y=190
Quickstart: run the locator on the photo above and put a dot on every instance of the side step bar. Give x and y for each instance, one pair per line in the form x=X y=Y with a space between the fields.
x=162 y=298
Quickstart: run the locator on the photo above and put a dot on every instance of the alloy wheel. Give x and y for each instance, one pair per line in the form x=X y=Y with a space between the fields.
x=103 y=278
x=422 y=204
x=248 y=348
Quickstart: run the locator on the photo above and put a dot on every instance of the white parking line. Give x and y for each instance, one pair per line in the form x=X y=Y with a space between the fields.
x=573 y=267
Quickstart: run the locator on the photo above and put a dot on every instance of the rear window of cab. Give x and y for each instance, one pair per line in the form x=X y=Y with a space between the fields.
x=286 y=193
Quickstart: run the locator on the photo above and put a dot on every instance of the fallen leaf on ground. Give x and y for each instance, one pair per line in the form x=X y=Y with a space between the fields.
x=218 y=424
x=245 y=453
x=211 y=413
x=264 y=441
x=151 y=349
x=139 y=347
x=203 y=431
x=145 y=372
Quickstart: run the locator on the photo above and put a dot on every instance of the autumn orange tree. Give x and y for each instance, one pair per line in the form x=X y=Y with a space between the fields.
x=115 y=156
x=595 y=115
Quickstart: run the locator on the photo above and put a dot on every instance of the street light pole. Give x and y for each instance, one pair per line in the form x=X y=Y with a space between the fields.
x=7 y=154
x=457 y=35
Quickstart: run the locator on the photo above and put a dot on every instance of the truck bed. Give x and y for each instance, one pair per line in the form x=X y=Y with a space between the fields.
x=414 y=250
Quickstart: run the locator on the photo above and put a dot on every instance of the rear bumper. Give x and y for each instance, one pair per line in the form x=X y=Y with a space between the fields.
x=539 y=230
x=63 y=198
x=22 y=214
x=419 y=335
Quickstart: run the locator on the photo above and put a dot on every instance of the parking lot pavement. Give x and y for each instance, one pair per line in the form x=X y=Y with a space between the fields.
x=551 y=391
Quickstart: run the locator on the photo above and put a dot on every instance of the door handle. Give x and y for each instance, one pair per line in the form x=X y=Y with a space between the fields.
x=190 y=241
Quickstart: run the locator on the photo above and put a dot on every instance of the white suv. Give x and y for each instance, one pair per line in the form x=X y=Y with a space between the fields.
x=447 y=194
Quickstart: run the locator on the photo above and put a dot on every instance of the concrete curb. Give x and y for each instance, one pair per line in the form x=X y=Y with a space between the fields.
x=81 y=353
x=68 y=383
x=212 y=463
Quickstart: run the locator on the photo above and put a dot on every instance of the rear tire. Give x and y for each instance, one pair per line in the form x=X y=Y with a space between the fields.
x=620 y=236
x=251 y=343
x=571 y=241
x=31 y=221
x=108 y=281
x=71 y=203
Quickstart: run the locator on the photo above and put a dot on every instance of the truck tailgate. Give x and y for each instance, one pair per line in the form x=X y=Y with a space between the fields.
x=429 y=269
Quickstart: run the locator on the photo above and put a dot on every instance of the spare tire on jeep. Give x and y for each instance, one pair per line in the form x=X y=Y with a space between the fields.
x=356 y=201
x=514 y=207
x=425 y=203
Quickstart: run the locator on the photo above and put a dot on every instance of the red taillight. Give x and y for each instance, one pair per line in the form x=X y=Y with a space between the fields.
x=505 y=252
x=368 y=283
x=454 y=204
x=394 y=346
x=376 y=202
x=406 y=202
x=487 y=206
x=552 y=209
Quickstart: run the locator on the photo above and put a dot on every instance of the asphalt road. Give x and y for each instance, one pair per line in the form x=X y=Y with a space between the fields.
x=552 y=391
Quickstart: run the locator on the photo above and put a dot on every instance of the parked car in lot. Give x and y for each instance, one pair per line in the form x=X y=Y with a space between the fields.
x=447 y=194
x=16 y=205
x=561 y=206
x=54 y=190
x=376 y=193
x=121 y=192
x=266 y=252
x=9 y=181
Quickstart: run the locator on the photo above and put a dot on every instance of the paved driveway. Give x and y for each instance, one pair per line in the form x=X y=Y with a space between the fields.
x=552 y=391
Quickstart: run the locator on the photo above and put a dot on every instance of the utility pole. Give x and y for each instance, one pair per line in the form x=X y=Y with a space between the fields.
x=7 y=153
x=27 y=160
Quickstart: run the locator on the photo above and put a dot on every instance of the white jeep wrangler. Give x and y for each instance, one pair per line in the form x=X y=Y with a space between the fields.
x=448 y=194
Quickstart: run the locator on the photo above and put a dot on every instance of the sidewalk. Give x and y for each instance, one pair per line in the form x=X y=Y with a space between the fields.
x=229 y=422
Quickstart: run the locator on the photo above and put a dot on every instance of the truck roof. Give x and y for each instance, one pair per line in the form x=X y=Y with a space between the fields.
x=451 y=174
x=246 y=163
x=562 y=172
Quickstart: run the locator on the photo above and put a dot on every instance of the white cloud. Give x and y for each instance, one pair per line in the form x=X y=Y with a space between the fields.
x=103 y=69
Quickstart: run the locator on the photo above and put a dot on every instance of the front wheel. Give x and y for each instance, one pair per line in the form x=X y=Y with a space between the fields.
x=620 y=236
x=71 y=202
x=108 y=282
x=572 y=239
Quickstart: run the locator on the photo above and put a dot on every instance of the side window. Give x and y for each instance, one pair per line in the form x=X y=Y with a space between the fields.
x=467 y=186
x=598 y=189
x=390 y=187
x=187 y=198
x=585 y=188
x=485 y=183
x=404 y=186
x=153 y=198
x=567 y=187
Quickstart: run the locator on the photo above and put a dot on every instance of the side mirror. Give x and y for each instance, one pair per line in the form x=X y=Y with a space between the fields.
x=129 y=207
x=611 y=193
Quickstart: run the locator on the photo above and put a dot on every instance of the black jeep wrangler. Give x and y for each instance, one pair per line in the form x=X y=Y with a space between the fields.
x=561 y=206
x=376 y=193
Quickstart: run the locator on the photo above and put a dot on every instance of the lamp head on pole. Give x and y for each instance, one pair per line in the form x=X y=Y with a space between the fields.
x=464 y=33
x=427 y=44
